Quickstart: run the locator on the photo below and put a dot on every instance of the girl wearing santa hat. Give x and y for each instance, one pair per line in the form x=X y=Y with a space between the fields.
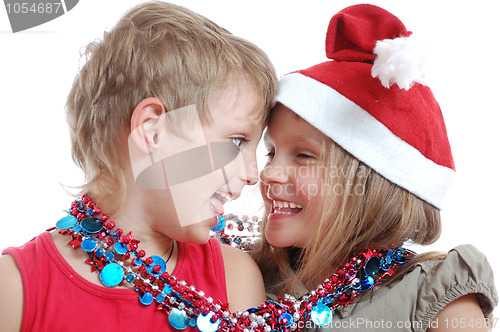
x=358 y=165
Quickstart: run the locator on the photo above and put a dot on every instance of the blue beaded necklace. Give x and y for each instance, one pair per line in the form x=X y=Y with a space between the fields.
x=117 y=258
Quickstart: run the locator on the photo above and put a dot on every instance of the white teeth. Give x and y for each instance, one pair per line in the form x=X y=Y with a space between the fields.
x=282 y=212
x=226 y=196
x=282 y=204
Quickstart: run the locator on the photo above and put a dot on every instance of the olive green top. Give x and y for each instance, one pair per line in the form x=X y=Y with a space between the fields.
x=411 y=303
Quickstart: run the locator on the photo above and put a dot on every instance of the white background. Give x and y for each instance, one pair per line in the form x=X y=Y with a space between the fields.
x=38 y=66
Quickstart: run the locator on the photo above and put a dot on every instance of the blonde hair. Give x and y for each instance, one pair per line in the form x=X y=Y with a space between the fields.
x=371 y=212
x=155 y=50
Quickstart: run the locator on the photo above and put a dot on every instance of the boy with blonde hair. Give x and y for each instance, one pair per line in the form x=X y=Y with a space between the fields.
x=160 y=61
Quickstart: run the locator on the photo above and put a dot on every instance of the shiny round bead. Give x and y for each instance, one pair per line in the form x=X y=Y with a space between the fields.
x=160 y=297
x=167 y=289
x=66 y=222
x=109 y=256
x=91 y=225
x=321 y=315
x=120 y=248
x=205 y=324
x=146 y=298
x=154 y=261
x=88 y=245
x=104 y=217
x=112 y=275
x=372 y=266
x=141 y=253
x=130 y=277
x=100 y=252
x=286 y=319
x=178 y=319
x=366 y=284
x=138 y=261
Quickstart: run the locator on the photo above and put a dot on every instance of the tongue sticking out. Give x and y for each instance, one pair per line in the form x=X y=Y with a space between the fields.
x=216 y=205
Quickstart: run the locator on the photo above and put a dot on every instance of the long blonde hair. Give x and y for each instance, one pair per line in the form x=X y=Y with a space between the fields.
x=158 y=50
x=370 y=212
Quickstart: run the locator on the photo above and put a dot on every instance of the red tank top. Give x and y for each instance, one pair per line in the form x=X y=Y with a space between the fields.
x=58 y=299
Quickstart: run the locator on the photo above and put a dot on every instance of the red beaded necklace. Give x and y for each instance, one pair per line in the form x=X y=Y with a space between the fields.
x=117 y=258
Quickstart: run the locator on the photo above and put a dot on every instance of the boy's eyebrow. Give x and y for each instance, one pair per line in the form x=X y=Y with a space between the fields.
x=248 y=126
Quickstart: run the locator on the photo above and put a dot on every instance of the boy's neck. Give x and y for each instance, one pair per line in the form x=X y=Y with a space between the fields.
x=138 y=215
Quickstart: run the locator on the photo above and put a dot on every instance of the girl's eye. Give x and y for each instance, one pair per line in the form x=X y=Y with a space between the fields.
x=270 y=155
x=303 y=155
x=238 y=141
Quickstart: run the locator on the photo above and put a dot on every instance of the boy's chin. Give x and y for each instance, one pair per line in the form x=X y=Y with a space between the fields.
x=198 y=233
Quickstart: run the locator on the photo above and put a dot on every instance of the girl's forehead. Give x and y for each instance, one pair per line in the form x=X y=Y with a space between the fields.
x=288 y=127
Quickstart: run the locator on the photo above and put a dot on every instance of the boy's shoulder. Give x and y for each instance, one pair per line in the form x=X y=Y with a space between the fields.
x=11 y=295
x=238 y=262
x=245 y=287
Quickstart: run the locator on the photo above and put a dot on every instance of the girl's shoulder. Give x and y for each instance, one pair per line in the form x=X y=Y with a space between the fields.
x=417 y=297
x=464 y=270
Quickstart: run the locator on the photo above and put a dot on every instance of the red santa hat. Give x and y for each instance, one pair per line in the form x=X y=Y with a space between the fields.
x=370 y=98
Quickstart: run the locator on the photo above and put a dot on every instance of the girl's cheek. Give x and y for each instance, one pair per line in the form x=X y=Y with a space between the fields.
x=309 y=188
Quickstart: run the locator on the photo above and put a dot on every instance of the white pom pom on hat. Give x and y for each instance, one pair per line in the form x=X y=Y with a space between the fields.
x=371 y=100
x=401 y=61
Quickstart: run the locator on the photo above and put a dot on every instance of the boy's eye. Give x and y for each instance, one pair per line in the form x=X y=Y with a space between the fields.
x=238 y=141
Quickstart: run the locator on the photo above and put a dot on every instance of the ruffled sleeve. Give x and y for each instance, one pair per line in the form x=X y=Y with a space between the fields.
x=464 y=270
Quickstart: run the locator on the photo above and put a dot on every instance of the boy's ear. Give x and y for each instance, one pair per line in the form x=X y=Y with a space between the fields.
x=145 y=124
